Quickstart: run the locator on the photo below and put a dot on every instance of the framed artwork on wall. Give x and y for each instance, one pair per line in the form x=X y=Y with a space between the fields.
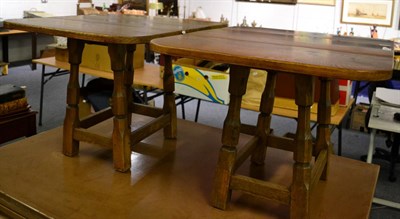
x=317 y=2
x=368 y=12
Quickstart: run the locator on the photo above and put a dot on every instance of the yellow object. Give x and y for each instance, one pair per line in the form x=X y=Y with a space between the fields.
x=202 y=83
x=255 y=88
x=96 y=57
x=156 y=6
x=4 y=68
x=85 y=108
x=396 y=65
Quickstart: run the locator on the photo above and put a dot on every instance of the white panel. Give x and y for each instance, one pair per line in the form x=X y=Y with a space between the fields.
x=100 y=2
x=315 y=18
x=1 y=10
x=213 y=9
x=15 y=9
x=269 y=15
x=58 y=8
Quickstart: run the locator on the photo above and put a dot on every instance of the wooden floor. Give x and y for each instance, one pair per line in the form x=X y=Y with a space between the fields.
x=169 y=179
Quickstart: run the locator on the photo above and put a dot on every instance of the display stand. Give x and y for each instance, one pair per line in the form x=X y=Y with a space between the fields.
x=168 y=179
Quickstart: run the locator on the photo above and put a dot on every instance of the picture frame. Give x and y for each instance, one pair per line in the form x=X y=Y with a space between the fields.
x=368 y=12
x=317 y=2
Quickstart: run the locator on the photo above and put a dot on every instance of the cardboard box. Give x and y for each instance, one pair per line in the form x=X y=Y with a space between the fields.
x=284 y=95
x=358 y=116
x=61 y=54
x=96 y=57
x=345 y=88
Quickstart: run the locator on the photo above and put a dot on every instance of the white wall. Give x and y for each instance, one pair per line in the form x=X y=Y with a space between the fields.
x=14 y=8
x=302 y=17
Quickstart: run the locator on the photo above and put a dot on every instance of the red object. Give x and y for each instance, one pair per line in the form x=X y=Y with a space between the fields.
x=345 y=87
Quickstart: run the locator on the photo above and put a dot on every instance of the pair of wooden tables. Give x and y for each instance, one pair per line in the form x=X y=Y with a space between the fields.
x=307 y=56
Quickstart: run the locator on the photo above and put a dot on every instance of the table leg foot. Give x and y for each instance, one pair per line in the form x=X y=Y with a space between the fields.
x=121 y=145
x=221 y=192
x=300 y=194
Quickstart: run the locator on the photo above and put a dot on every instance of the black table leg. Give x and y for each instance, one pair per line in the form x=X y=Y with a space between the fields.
x=4 y=41
x=394 y=154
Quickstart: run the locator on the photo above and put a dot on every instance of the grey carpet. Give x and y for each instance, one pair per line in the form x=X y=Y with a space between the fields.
x=355 y=143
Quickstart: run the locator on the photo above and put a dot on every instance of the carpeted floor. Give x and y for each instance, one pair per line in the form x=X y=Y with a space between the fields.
x=355 y=143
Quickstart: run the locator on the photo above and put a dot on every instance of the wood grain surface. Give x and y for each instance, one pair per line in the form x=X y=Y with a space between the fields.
x=315 y=54
x=121 y=29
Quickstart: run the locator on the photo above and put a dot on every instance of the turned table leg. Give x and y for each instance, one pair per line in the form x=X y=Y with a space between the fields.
x=230 y=137
x=324 y=118
x=71 y=121
x=264 y=118
x=169 y=98
x=300 y=189
x=129 y=75
x=121 y=131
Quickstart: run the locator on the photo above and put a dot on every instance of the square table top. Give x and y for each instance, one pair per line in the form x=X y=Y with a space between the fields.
x=110 y=28
x=316 y=54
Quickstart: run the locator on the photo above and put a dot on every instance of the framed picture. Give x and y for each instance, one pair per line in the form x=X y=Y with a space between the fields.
x=368 y=12
x=317 y=2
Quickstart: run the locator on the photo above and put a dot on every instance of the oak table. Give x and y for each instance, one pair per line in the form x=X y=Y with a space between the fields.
x=120 y=33
x=308 y=56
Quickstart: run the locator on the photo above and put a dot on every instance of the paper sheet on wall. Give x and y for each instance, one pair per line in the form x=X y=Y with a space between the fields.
x=388 y=96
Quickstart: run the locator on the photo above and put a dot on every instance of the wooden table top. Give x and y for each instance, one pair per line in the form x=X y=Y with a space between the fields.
x=315 y=54
x=121 y=29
